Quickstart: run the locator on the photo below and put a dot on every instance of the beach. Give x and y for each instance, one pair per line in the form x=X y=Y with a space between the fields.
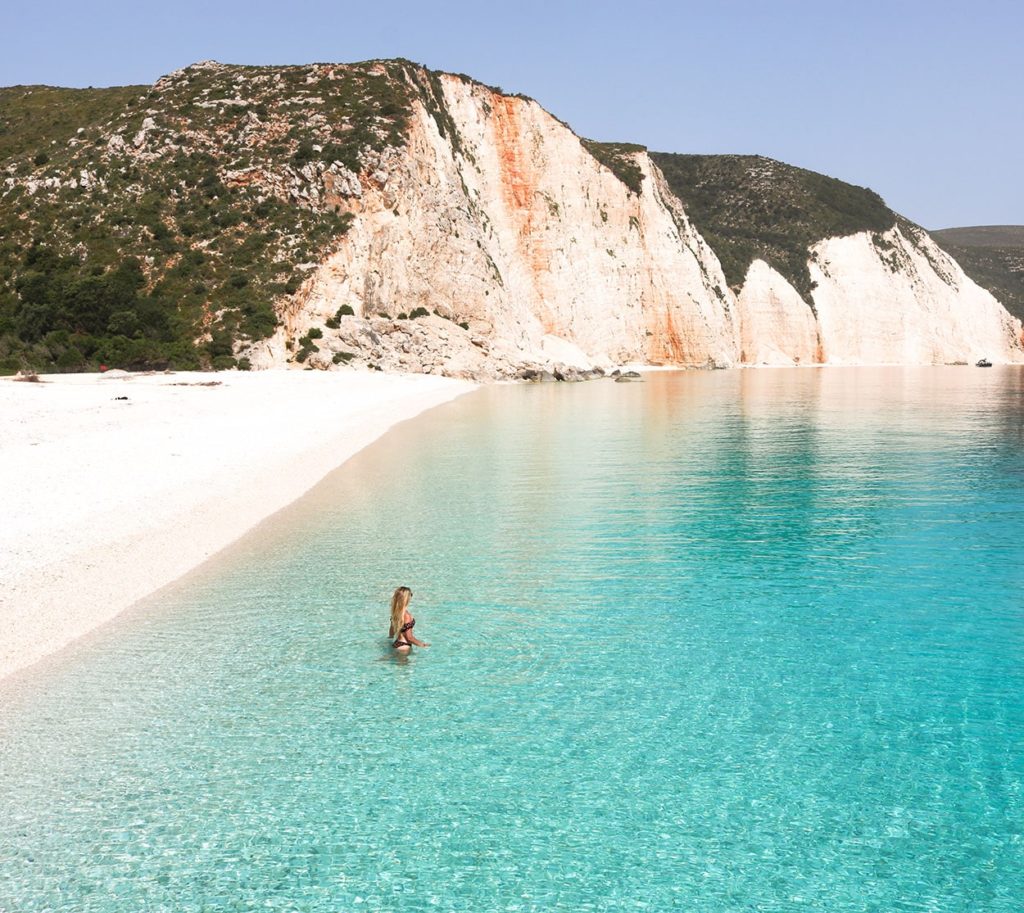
x=116 y=484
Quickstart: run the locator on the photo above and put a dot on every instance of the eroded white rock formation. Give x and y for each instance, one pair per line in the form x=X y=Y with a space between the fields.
x=496 y=217
x=903 y=300
x=777 y=327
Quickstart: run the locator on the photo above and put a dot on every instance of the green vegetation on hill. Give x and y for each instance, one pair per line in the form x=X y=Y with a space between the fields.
x=993 y=256
x=749 y=207
x=982 y=236
x=33 y=119
x=157 y=227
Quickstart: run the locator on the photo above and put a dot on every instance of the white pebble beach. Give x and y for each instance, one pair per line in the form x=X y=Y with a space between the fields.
x=114 y=485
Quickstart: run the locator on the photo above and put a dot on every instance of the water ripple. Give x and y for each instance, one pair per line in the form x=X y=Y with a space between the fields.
x=718 y=641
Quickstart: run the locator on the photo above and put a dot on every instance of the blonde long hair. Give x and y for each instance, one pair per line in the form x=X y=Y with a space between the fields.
x=398 y=605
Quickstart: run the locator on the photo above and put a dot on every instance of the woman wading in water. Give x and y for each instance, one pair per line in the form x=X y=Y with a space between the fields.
x=402 y=622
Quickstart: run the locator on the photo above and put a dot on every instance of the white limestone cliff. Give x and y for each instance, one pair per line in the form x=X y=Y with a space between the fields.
x=900 y=299
x=777 y=327
x=894 y=298
x=496 y=217
x=516 y=230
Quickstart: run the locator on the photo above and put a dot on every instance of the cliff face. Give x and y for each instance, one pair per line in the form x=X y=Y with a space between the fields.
x=898 y=298
x=890 y=298
x=381 y=215
x=508 y=224
x=496 y=217
x=777 y=327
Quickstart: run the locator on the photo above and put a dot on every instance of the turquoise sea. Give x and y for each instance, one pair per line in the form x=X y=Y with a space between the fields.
x=717 y=641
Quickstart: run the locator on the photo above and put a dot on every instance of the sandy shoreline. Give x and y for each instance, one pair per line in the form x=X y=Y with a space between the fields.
x=105 y=500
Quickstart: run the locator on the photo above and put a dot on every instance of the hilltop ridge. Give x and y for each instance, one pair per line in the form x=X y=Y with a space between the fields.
x=983 y=235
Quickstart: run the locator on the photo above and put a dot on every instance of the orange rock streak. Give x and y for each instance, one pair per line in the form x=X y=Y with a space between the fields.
x=519 y=179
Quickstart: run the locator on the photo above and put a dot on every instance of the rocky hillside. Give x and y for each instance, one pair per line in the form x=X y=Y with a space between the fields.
x=750 y=207
x=993 y=256
x=383 y=215
x=168 y=223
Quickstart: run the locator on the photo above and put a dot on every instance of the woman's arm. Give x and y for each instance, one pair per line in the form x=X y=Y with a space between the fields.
x=412 y=638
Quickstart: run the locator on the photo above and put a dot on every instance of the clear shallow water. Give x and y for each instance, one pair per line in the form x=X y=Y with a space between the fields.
x=719 y=641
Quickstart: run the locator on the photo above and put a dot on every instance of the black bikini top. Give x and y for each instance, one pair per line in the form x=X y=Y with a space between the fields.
x=407 y=626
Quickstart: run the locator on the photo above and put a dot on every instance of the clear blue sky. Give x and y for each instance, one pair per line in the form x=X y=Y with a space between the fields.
x=922 y=101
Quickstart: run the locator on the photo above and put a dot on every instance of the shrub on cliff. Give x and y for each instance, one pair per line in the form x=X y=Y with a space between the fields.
x=618 y=157
x=307 y=343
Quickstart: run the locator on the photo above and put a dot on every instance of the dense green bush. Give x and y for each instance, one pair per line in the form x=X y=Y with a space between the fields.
x=56 y=294
x=307 y=343
x=303 y=153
